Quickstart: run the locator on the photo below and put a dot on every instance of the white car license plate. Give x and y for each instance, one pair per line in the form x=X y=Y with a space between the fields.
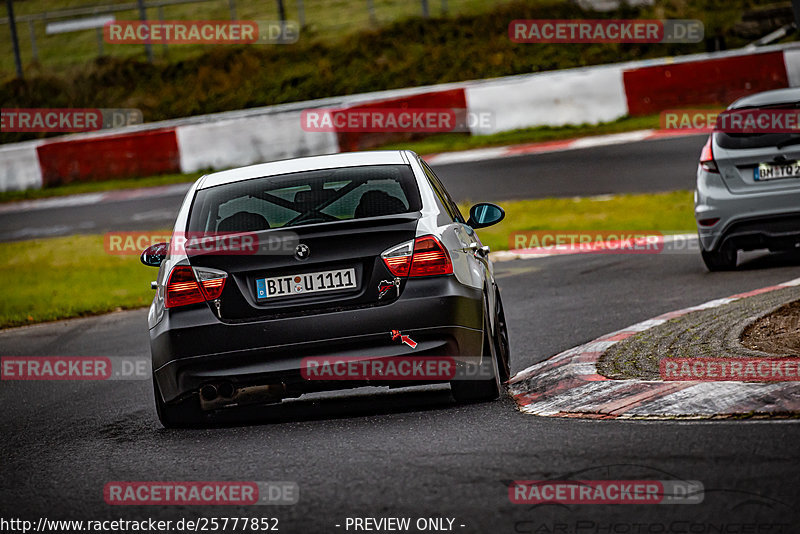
x=768 y=171
x=302 y=284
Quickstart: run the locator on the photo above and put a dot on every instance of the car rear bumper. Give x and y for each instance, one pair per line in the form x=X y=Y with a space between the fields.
x=775 y=233
x=192 y=347
x=746 y=222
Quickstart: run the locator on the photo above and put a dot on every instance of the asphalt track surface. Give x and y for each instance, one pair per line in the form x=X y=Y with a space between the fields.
x=409 y=453
x=645 y=166
x=414 y=453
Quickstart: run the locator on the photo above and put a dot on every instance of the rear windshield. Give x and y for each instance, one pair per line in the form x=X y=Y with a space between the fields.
x=305 y=198
x=758 y=140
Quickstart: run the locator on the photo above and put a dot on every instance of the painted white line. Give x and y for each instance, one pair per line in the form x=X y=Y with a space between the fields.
x=51 y=203
x=478 y=154
x=612 y=139
x=545 y=147
x=706 y=398
x=572 y=399
x=86 y=199
x=154 y=215
x=47 y=231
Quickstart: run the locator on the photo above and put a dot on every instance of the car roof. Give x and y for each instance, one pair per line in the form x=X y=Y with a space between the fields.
x=768 y=98
x=332 y=161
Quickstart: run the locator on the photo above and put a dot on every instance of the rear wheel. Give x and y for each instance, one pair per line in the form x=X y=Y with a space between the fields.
x=502 y=346
x=469 y=389
x=720 y=260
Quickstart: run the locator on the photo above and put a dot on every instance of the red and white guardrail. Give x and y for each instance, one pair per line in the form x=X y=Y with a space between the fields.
x=572 y=96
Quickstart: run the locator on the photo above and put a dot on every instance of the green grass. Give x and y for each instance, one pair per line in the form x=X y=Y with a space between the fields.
x=65 y=277
x=94 y=187
x=325 y=21
x=665 y=212
x=452 y=142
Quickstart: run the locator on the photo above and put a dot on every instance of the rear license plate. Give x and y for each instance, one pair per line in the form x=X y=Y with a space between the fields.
x=302 y=284
x=767 y=171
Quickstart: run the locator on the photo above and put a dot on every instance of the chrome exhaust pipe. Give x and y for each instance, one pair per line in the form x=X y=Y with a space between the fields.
x=226 y=394
x=208 y=392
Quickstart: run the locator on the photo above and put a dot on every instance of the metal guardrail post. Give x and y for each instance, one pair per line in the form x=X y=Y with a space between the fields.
x=164 y=45
x=34 y=48
x=14 y=40
x=301 y=13
x=143 y=17
x=796 y=9
x=99 y=33
x=281 y=11
x=373 y=19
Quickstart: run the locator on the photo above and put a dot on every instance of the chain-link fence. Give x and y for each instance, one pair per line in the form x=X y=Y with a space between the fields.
x=52 y=38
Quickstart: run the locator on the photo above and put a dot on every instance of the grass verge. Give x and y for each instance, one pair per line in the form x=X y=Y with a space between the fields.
x=666 y=212
x=64 y=277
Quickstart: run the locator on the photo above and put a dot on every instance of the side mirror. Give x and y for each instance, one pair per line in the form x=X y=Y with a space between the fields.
x=485 y=214
x=154 y=254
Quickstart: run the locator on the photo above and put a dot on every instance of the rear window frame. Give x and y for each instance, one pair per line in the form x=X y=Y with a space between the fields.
x=737 y=141
x=407 y=182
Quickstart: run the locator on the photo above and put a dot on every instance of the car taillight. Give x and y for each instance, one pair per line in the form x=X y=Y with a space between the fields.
x=212 y=281
x=425 y=256
x=430 y=258
x=708 y=222
x=188 y=286
x=398 y=259
x=707 y=158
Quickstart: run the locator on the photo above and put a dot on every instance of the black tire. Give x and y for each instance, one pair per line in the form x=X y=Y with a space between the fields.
x=183 y=414
x=724 y=259
x=468 y=390
x=502 y=346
